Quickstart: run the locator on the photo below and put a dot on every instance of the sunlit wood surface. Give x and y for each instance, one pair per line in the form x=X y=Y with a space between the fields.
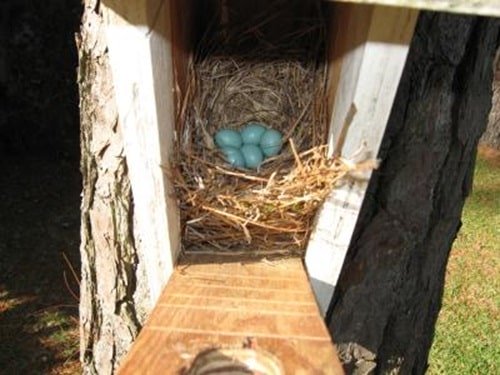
x=476 y=7
x=229 y=302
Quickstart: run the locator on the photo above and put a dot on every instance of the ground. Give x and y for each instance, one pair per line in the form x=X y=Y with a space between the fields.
x=468 y=328
x=39 y=187
x=39 y=229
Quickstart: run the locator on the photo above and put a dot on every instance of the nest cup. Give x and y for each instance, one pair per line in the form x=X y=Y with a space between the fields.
x=268 y=68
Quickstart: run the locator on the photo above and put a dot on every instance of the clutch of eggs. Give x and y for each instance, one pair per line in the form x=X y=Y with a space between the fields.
x=249 y=147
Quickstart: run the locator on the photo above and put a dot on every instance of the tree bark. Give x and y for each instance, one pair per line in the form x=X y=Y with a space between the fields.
x=114 y=299
x=491 y=136
x=389 y=293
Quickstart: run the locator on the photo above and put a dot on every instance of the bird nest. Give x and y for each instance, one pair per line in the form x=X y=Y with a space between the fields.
x=239 y=74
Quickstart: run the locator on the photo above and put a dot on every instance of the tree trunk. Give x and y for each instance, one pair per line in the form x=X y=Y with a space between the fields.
x=491 y=136
x=114 y=298
x=390 y=289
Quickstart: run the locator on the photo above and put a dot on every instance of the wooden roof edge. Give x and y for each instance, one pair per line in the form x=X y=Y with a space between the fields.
x=489 y=8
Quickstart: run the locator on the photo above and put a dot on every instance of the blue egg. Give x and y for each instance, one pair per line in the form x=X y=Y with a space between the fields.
x=252 y=155
x=234 y=156
x=228 y=138
x=271 y=142
x=252 y=133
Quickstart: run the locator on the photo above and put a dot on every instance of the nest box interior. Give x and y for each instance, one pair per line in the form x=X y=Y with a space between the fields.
x=152 y=45
x=355 y=55
x=263 y=65
x=218 y=298
x=343 y=56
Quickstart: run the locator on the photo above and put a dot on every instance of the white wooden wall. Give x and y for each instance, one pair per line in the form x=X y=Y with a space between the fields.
x=368 y=49
x=489 y=8
x=140 y=51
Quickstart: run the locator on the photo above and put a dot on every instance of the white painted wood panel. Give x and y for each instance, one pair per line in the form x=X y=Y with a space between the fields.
x=368 y=52
x=490 y=8
x=138 y=36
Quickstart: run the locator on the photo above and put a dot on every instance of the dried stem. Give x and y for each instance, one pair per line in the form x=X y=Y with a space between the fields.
x=254 y=71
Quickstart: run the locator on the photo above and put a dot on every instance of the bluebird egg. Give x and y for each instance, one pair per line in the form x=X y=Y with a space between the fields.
x=252 y=133
x=252 y=155
x=234 y=156
x=271 y=142
x=228 y=138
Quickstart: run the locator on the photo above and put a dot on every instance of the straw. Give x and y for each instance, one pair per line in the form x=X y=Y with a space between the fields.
x=244 y=72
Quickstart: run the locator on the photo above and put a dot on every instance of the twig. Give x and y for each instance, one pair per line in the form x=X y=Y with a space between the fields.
x=296 y=155
x=72 y=269
x=69 y=288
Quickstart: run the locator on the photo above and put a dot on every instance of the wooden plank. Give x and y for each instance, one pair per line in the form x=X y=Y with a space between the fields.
x=266 y=306
x=183 y=40
x=368 y=50
x=279 y=316
x=489 y=8
x=199 y=289
x=237 y=281
x=140 y=51
x=239 y=322
x=177 y=350
x=249 y=265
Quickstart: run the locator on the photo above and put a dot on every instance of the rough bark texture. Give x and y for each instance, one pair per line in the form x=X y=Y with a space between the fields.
x=113 y=297
x=389 y=293
x=491 y=136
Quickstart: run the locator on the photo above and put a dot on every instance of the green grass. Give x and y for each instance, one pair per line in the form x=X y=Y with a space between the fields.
x=467 y=339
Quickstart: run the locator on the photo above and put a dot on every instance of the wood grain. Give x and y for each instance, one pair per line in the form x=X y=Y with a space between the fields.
x=183 y=33
x=201 y=309
x=489 y=8
x=138 y=35
x=368 y=49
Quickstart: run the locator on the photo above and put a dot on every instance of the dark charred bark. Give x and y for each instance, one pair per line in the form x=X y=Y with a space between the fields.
x=389 y=293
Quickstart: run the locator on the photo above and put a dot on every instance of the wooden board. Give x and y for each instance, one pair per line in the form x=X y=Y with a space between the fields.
x=183 y=19
x=220 y=301
x=489 y=8
x=138 y=34
x=368 y=49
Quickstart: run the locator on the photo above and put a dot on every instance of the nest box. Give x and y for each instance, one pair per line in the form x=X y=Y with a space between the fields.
x=236 y=302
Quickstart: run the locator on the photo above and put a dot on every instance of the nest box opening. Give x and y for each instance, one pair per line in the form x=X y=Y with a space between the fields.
x=248 y=64
x=296 y=67
x=183 y=70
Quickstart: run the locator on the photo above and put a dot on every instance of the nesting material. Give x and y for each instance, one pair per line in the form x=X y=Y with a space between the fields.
x=255 y=71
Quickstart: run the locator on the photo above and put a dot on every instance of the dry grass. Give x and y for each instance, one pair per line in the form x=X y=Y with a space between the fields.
x=243 y=73
x=228 y=209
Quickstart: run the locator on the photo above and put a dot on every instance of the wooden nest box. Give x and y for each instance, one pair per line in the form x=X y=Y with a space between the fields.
x=238 y=309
